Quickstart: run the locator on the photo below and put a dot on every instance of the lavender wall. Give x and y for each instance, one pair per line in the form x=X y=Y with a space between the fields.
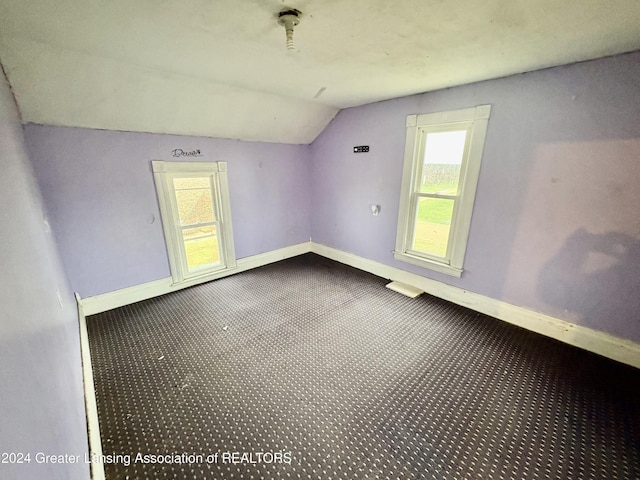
x=41 y=397
x=555 y=226
x=100 y=192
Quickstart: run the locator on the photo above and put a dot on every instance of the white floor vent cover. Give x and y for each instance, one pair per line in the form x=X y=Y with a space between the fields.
x=404 y=289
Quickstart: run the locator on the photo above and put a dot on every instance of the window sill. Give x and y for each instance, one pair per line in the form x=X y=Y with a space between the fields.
x=204 y=277
x=430 y=264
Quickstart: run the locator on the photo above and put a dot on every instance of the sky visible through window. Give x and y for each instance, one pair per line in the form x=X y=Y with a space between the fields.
x=445 y=148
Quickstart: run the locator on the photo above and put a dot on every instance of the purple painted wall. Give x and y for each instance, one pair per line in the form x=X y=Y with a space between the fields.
x=41 y=398
x=555 y=227
x=100 y=192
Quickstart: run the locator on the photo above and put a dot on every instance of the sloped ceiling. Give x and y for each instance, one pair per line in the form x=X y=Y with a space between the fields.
x=220 y=68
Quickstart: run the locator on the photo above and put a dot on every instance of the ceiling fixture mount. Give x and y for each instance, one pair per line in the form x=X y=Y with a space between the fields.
x=289 y=18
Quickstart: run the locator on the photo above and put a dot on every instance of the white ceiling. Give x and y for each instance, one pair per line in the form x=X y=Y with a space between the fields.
x=220 y=67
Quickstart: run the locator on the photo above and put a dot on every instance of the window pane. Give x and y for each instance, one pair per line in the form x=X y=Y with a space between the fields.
x=432 y=225
x=187 y=183
x=201 y=247
x=443 y=153
x=195 y=204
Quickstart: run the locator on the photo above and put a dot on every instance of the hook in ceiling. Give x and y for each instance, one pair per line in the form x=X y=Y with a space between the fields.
x=289 y=18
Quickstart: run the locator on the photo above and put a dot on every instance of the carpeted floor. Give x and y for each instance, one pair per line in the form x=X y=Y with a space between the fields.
x=308 y=369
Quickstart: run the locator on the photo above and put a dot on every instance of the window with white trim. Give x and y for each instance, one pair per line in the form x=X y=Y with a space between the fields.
x=441 y=168
x=196 y=217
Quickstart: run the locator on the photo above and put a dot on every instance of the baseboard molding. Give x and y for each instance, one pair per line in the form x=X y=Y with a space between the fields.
x=273 y=256
x=126 y=296
x=91 y=407
x=619 y=349
x=137 y=293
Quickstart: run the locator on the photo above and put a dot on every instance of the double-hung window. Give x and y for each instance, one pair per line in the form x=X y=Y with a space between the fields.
x=441 y=167
x=196 y=217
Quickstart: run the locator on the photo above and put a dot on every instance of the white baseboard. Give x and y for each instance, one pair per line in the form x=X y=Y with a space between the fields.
x=137 y=293
x=91 y=407
x=619 y=349
x=273 y=256
x=595 y=341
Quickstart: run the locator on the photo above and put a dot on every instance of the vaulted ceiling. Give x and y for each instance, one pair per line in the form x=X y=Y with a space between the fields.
x=220 y=67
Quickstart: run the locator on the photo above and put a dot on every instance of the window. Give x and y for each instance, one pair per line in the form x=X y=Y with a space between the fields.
x=441 y=167
x=196 y=218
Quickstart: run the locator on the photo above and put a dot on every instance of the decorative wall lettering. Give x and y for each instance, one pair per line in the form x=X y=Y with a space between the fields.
x=178 y=152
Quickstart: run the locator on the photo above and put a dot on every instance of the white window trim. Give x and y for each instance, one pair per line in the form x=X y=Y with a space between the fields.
x=476 y=119
x=164 y=173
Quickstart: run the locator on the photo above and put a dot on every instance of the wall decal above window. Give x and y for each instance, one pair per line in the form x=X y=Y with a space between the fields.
x=178 y=152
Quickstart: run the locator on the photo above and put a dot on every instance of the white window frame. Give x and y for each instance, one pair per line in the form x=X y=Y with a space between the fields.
x=475 y=121
x=164 y=173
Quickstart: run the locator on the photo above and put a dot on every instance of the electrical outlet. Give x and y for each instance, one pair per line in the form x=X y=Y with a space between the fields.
x=361 y=149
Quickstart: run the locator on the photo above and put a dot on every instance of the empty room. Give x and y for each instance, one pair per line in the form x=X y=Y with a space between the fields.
x=268 y=239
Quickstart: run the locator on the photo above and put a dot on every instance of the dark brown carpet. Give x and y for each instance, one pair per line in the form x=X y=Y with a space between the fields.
x=308 y=369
